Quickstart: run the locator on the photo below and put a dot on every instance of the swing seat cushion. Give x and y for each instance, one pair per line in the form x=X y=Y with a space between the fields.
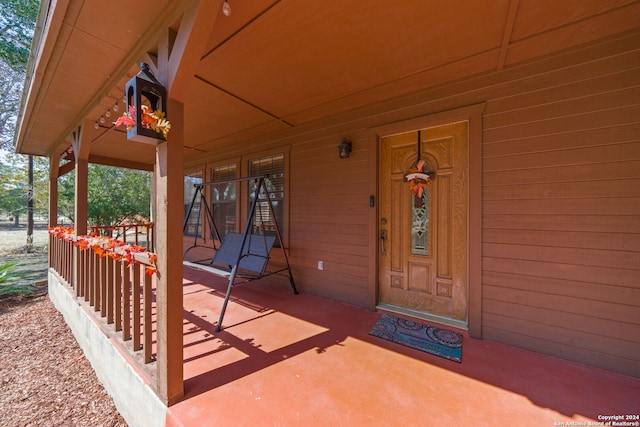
x=255 y=253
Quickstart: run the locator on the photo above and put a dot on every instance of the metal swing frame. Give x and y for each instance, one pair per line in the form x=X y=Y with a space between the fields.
x=235 y=250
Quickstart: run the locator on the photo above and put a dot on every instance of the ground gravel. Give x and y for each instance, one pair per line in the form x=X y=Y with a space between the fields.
x=45 y=379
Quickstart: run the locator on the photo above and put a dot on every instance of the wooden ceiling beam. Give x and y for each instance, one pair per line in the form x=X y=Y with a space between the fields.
x=183 y=55
x=120 y=163
x=106 y=161
x=508 y=30
x=66 y=168
x=244 y=101
x=169 y=13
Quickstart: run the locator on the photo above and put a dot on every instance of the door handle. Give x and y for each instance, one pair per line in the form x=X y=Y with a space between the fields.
x=383 y=237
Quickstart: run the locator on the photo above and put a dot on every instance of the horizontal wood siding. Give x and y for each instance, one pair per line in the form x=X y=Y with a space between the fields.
x=561 y=213
x=329 y=217
x=560 y=201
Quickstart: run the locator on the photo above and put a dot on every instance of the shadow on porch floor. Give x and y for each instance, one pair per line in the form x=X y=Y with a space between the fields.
x=284 y=359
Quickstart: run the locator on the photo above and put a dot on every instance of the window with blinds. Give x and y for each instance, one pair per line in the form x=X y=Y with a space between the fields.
x=264 y=220
x=189 y=191
x=223 y=198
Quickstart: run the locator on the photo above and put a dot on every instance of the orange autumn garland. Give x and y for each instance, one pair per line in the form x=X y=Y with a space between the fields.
x=105 y=246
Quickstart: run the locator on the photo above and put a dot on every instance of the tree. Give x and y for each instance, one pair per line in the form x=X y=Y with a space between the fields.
x=115 y=194
x=13 y=185
x=10 y=92
x=12 y=193
x=17 y=23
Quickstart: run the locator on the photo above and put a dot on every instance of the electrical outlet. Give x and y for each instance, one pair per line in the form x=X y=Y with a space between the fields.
x=320 y=265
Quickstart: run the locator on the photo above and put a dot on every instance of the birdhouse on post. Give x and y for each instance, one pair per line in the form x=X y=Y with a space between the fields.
x=146 y=108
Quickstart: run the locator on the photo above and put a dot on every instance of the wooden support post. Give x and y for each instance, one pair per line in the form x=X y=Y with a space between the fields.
x=169 y=217
x=54 y=168
x=81 y=152
x=81 y=199
x=177 y=63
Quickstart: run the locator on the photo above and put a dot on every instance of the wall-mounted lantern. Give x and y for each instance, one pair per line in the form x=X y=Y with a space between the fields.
x=146 y=106
x=344 y=149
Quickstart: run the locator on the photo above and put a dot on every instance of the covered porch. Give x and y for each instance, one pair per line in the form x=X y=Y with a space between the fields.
x=285 y=359
x=534 y=232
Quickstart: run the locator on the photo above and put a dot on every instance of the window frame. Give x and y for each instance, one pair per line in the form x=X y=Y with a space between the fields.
x=283 y=223
x=239 y=193
x=192 y=173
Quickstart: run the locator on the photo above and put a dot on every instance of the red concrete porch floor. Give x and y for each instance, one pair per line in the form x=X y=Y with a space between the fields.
x=300 y=360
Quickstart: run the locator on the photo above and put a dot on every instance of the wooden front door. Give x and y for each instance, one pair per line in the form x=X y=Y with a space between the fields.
x=423 y=240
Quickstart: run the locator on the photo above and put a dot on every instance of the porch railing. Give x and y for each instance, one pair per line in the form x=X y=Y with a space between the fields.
x=115 y=279
x=140 y=234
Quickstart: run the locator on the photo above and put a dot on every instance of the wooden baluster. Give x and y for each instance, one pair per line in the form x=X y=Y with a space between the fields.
x=102 y=284
x=86 y=260
x=62 y=260
x=118 y=278
x=136 y=306
x=65 y=269
x=57 y=256
x=90 y=273
x=63 y=247
x=147 y=323
x=66 y=263
x=53 y=245
x=110 y=281
x=126 y=305
x=80 y=273
x=95 y=283
x=72 y=265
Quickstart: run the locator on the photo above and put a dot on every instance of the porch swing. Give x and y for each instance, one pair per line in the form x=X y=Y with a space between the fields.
x=240 y=257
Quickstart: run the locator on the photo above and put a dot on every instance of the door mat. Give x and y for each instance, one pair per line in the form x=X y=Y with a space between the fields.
x=440 y=342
